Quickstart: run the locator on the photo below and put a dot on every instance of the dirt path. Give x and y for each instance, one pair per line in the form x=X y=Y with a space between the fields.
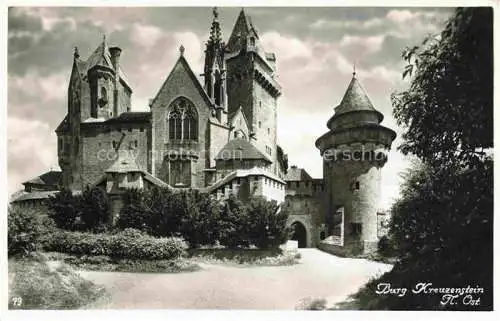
x=319 y=275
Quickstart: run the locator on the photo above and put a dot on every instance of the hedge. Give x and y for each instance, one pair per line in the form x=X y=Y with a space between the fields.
x=26 y=228
x=130 y=244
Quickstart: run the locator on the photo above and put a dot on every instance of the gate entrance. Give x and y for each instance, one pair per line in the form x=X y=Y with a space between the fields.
x=299 y=234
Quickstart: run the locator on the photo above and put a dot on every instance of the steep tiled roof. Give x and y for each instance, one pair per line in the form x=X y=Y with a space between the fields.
x=155 y=180
x=63 y=126
x=37 y=195
x=297 y=174
x=355 y=99
x=131 y=116
x=101 y=57
x=240 y=31
x=240 y=148
x=48 y=178
x=182 y=62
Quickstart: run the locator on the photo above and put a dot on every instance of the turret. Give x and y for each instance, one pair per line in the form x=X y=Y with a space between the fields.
x=215 y=70
x=115 y=53
x=354 y=150
x=101 y=76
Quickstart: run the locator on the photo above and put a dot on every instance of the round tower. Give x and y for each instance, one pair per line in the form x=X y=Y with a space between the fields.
x=354 y=150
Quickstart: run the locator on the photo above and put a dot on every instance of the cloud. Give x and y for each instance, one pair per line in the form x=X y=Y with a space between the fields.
x=369 y=44
x=145 y=35
x=31 y=150
x=315 y=48
x=286 y=47
x=46 y=87
x=326 y=24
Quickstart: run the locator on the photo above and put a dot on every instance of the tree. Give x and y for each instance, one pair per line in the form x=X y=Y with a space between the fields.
x=199 y=225
x=94 y=209
x=26 y=228
x=267 y=223
x=134 y=214
x=448 y=109
x=232 y=226
x=64 y=209
x=443 y=223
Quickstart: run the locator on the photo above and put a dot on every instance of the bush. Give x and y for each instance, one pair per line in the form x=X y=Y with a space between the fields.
x=202 y=221
x=89 y=211
x=199 y=224
x=385 y=247
x=233 y=224
x=94 y=209
x=267 y=224
x=311 y=304
x=157 y=211
x=26 y=227
x=134 y=214
x=64 y=210
x=127 y=244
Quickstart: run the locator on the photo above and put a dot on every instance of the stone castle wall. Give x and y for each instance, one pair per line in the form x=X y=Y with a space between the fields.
x=180 y=84
x=98 y=153
x=355 y=185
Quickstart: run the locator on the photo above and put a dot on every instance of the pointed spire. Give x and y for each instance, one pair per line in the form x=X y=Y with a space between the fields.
x=181 y=50
x=215 y=32
x=76 y=54
x=354 y=70
x=241 y=30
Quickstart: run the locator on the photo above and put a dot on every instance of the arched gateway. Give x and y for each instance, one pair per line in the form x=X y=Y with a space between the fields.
x=299 y=234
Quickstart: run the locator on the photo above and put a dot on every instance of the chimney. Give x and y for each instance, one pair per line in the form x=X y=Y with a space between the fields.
x=115 y=53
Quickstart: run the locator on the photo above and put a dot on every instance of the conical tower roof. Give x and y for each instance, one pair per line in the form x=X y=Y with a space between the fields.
x=355 y=100
x=355 y=121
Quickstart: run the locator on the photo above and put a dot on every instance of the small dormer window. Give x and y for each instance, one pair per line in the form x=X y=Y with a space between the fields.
x=252 y=41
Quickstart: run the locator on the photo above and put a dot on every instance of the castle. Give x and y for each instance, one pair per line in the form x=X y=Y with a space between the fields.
x=219 y=136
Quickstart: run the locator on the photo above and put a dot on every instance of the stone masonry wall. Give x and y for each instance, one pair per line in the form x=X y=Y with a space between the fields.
x=360 y=205
x=264 y=121
x=178 y=84
x=99 y=154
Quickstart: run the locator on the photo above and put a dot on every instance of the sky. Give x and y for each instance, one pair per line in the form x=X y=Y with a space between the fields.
x=316 y=49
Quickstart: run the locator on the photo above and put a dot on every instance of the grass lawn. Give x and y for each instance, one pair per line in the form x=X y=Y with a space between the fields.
x=36 y=284
x=189 y=263
x=107 y=264
x=245 y=257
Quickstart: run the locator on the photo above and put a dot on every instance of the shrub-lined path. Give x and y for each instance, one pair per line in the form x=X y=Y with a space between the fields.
x=219 y=286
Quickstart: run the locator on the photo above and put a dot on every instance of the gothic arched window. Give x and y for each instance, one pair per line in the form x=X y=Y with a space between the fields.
x=182 y=120
x=104 y=94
